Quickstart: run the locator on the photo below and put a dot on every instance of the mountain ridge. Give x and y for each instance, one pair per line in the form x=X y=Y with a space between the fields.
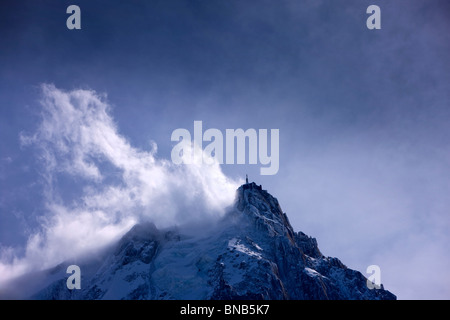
x=252 y=253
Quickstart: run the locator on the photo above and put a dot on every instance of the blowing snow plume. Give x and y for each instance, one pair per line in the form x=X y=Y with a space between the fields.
x=116 y=185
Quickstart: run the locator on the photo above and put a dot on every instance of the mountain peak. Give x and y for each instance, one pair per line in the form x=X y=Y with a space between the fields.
x=254 y=254
x=255 y=202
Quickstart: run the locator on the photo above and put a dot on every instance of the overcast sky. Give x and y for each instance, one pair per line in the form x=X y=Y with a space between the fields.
x=86 y=118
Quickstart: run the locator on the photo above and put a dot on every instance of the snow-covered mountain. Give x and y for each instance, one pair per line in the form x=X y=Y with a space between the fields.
x=252 y=253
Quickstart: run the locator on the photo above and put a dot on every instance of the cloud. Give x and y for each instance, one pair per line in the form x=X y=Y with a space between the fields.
x=110 y=185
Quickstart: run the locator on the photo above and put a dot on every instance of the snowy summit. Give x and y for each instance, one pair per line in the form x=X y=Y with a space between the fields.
x=252 y=253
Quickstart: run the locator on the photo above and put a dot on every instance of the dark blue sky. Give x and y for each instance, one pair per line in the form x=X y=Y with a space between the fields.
x=363 y=114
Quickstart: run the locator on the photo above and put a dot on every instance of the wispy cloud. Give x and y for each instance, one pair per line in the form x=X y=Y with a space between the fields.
x=120 y=185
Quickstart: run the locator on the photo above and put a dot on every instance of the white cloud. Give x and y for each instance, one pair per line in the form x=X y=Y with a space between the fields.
x=79 y=139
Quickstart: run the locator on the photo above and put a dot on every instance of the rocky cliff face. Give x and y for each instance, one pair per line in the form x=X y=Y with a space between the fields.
x=252 y=253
